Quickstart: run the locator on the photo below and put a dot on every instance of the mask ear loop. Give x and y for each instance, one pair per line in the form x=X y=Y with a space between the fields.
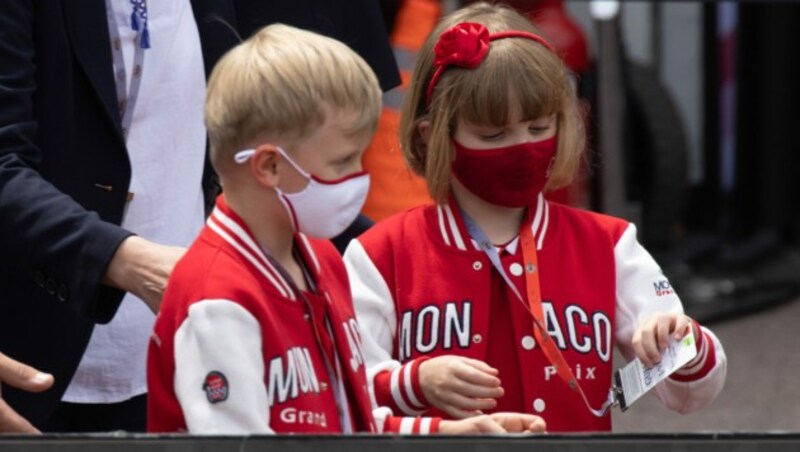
x=289 y=209
x=294 y=164
x=246 y=154
x=243 y=156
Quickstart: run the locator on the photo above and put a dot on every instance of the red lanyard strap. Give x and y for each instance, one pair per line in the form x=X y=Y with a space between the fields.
x=534 y=304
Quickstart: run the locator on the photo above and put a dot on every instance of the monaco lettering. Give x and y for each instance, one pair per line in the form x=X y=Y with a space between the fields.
x=579 y=331
x=449 y=326
x=354 y=342
x=291 y=376
x=434 y=327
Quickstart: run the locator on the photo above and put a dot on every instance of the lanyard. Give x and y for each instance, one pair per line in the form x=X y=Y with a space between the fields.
x=320 y=322
x=534 y=304
x=126 y=101
x=325 y=338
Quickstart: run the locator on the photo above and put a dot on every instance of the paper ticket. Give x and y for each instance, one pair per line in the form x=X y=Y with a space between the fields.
x=634 y=380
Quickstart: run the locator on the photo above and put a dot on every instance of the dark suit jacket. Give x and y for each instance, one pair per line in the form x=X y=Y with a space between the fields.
x=60 y=138
x=357 y=23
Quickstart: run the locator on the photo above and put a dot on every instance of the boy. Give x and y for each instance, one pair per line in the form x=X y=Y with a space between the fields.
x=257 y=332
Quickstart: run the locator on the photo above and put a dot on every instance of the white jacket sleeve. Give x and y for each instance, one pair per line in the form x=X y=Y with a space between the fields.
x=375 y=309
x=220 y=342
x=643 y=290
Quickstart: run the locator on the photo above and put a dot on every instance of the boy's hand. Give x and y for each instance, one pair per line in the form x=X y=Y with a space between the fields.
x=142 y=268
x=520 y=422
x=461 y=387
x=471 y=426
x=653 y=336
x=494 y=423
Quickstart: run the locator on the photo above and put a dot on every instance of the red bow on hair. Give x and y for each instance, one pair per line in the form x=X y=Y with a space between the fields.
x=466 y=45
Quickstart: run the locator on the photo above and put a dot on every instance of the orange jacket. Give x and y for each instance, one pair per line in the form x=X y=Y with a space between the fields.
x=394 y=186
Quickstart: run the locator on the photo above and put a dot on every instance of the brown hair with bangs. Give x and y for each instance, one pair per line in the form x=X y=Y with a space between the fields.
x=516 y=73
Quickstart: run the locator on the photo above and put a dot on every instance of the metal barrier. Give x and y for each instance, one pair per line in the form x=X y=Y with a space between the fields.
x=706 y=442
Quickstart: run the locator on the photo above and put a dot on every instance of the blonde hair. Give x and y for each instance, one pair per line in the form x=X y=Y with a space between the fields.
x=517 y=72
x=279 y=83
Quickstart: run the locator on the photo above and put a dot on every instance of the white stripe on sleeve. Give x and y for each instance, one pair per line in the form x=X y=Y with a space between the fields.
x=425 y=426
x=406 y=426
x=397 y=390
x=221 y=336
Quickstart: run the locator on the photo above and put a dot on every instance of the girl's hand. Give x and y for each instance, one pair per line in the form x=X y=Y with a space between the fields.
x=461 y=387
x=653 y=336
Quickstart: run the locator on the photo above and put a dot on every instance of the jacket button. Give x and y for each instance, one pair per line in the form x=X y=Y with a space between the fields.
x=539 y=405
x=62 y=292
x=477 y=338
x=477 y=265
x=38 y=278
x=50 y=286
x=323 y=386
x=528 y=343
x=530 y=268
x=515 y=269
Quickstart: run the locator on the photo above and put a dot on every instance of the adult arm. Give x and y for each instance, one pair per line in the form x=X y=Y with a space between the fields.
x=64 y=248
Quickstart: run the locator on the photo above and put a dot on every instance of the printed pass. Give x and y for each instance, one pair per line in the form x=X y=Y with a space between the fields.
x=635 y=380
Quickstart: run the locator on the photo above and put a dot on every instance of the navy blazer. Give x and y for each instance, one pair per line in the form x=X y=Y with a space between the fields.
x=61 y=147
x=60 y=143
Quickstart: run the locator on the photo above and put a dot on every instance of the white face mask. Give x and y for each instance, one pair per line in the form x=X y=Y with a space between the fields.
x=323 y=209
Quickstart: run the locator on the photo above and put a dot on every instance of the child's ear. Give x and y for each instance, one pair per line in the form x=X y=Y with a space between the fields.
x=424 y=130
x=264 y=165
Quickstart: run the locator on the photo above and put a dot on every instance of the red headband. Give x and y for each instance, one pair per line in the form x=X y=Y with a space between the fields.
x=466 y=45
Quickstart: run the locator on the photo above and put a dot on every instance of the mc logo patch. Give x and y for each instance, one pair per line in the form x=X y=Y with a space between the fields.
x=216 y=387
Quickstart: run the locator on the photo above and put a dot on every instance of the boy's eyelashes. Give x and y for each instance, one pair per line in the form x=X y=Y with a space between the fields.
x=346 y=160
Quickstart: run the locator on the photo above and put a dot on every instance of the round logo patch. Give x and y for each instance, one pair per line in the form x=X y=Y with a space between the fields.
x=216 y=387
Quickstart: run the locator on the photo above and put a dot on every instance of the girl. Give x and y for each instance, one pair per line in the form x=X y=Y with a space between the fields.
x=494 y=299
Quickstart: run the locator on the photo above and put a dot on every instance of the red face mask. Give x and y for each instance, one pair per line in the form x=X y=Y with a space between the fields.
x=511 y=176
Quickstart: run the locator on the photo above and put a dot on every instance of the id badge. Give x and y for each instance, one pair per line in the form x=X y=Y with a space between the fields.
x=634 y=380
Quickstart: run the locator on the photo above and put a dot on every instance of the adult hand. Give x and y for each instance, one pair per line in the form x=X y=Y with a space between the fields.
x=461 y=387
x=653 y=336
x=142 y=267
x=520 y=422
x=18 y=375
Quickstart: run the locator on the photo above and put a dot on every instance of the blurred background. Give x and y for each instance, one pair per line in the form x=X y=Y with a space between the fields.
x=692 y=113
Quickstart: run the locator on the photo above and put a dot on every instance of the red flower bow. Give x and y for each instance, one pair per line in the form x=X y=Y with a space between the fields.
x=465 y=45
